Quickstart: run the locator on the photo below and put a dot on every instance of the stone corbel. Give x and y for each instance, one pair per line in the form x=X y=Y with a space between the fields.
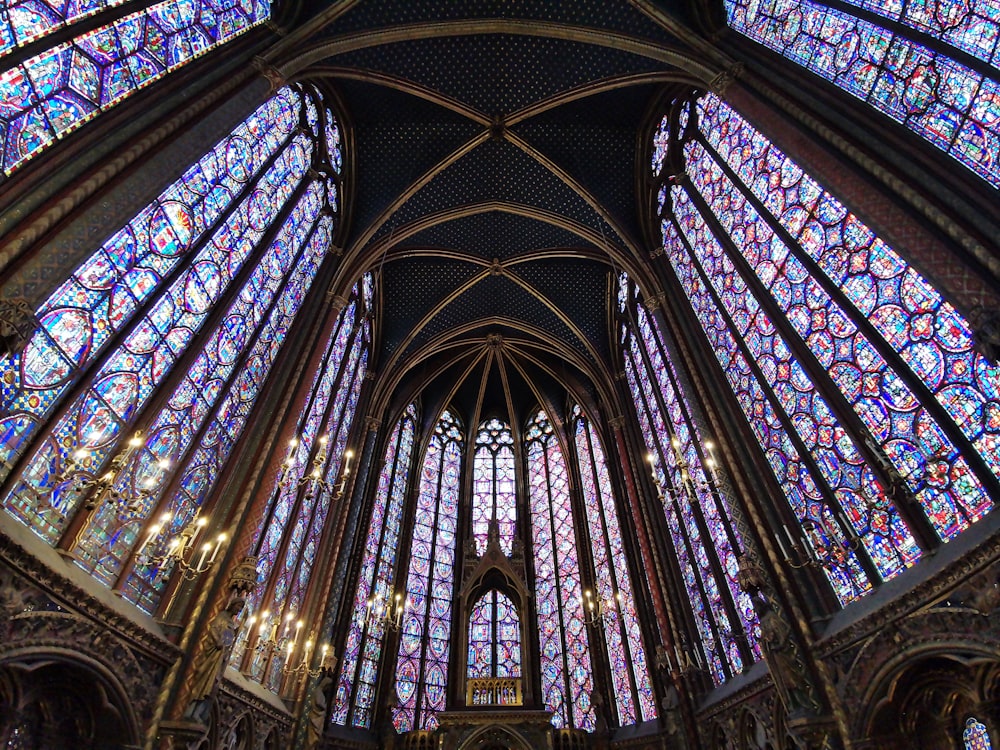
x=17 y=324
x=722 y=81
x=270 y=73
x=986 y=332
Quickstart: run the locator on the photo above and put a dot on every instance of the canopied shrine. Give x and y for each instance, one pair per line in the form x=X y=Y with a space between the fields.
x=499 y=374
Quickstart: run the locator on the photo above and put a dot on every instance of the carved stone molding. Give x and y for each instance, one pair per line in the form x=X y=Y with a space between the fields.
x=17 y=323
x=932 y=588
x=654 y=302
x=41 y=633
x=273 y=76
x=72 y=597
x=722 y=81
x=986 y=332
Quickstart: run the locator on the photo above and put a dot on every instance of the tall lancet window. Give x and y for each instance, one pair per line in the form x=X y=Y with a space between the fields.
x=859 y=380
x=975 y=735
x=494 y=637
x=705 y=541
x=149 y=358
x=366 y=633
x=55 y=91
x=934 y=67
x=493 y=485
x=633 y=692
x=288 y=535
x=564 y=644
x=422 y=665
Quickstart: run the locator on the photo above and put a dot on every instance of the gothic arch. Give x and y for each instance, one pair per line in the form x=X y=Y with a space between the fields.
x=65 y=699
x=495 y=737
x=946 y=673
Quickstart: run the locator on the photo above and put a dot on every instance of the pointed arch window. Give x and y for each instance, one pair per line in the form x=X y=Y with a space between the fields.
x=705 y=540
x=975 y=735
x=424 y=646
x=493 y=485
x=860 y=382
x=931 y=67
x=288 y=535
x=494 y=637
x=633 y=691
x=564 y=646
x=366 y=635
x=196 y=294
x=54 y=92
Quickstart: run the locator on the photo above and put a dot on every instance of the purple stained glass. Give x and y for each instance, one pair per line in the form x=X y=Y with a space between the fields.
x=493 y=485
x=673 y=441
x=975 y=735
x=103 y=294
x=424 y=646
x=132 y=371
x=58 y=90
x=494 y=637
x=801 y=487
x=355 y=693
x=564 y=647
x=888 y=540
x=622 y=634
x=949 y=104
x=973 y=27
x=329 y=408
x=110 y=535
x=28 y=20
x=934 y=341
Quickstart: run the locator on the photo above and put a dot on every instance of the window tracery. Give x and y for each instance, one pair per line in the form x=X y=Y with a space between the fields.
x=287 y=536
x=935 y=90
x=705 y=541
x=633 y=692
x=424 y=647
x=493 y=485
x=57 y=90
x=355 y=693
x=860 y=382
x=564 y=644
x=975 y=735
x=162 y=294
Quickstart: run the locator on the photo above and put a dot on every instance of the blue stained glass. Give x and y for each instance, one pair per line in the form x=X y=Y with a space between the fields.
x=930 y=336
x=673 y=441
x=109 y=536
x=975 y=735
x=422 y=663
x=155 y=343
x=567 y=679
x=99 y=298
x=973 y=27
x=356 y=686
x=56 y=91
x=493 y=485
x=623 y=639
x=932 y=94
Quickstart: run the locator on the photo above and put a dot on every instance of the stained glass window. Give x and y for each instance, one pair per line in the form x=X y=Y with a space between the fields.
x=55 y=91
x=975 y=735
x=122 y=276
x=366 y=633
x=705 y=541
x=422 y=664
x=494 y=637
x=564 y=646
x=286 y=539
x=214 y=306
x=815 y=321
x=633 y=692
x=951 y=103
x=493 y=484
